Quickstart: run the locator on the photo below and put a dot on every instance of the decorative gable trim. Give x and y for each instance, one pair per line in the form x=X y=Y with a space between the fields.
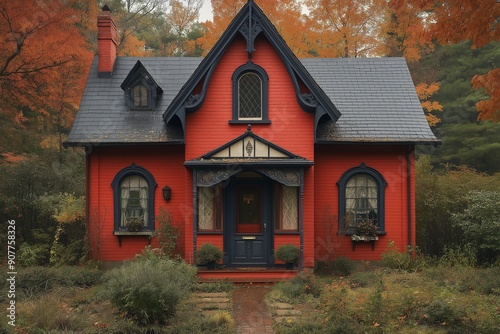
x=251 y=22
x=138 y=75
x=249 y=149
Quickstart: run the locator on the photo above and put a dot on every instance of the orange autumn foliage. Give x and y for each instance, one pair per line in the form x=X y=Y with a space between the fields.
x=405 y=31
x=347 y=28
x=44 y=58
x=284 y=14
x=452 y=21
x=488 y=109
x=424 y=92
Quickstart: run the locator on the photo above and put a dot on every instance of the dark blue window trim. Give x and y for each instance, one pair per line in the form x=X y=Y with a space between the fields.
x=250 y=67
x=381 y=185
x=129 y=171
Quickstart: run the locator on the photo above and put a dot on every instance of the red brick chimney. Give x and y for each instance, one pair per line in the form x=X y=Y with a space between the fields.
x=106 y=42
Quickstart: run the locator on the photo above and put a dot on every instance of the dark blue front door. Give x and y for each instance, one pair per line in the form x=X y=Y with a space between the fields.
x=248 y=226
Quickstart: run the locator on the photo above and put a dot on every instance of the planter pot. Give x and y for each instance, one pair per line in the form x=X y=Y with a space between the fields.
x=290 y=265
x=211 y=266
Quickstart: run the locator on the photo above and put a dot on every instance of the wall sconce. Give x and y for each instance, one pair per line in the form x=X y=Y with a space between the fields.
x=167 y=193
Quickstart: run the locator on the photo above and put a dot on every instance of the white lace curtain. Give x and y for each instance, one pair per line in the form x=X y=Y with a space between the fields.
x=361 y=199
x=289 y=208
x=129 y=185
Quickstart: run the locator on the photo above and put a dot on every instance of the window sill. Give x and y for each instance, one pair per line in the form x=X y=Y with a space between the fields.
x=249 y=121
x=209 y=232
x=121 y=234
x=363 y=238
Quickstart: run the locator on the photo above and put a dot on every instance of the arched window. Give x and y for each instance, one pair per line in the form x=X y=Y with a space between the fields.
x=250 y=94
x=249 y=97
x=361 y=199
x=134 y=199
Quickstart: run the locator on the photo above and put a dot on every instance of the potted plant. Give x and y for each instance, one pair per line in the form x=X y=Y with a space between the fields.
x=135 y=224
x=209 y=254
x=288 y=253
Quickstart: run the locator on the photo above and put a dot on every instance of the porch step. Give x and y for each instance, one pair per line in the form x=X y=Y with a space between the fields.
x=246 y=275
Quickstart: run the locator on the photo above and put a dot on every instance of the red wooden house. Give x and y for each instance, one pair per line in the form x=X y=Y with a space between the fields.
x=249 y=148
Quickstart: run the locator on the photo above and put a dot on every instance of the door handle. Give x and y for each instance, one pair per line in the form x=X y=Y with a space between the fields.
x=265 y=227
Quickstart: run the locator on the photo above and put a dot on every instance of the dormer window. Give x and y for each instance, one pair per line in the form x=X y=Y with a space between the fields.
x=250 y=94
x=140 y=97
x=142 y=92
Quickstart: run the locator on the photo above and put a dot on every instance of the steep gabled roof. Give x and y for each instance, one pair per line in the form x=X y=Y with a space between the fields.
x=251 y=22
x=376 y=96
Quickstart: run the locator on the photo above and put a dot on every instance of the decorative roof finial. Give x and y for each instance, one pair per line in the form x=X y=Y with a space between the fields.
x=249 y=127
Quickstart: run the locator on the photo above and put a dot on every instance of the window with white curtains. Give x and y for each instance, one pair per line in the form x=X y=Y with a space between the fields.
x=134 y=200
x=361 y=200
x=210 y=209
x=286 y=208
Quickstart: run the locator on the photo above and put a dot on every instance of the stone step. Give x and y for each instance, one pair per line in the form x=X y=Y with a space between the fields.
x=282 y=306
x=292 y=312
x=212 y=306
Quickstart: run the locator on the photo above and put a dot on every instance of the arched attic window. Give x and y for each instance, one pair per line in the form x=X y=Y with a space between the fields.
x=250 y=94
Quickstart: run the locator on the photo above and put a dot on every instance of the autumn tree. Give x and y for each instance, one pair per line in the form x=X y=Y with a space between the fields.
x=286 y=15
x=347 y=28
x=40 y=43
x=182 y=18
x=404 y=29
x=424 y=92
x=489 y=109
x=449 y=21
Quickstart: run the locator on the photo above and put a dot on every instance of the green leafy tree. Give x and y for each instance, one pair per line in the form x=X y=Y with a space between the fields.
x=441 y=193
x=480 y=223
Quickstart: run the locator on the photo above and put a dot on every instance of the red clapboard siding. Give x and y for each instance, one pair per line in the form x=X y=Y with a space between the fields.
x=165 y=163
x=331 y=163
x=291 y=127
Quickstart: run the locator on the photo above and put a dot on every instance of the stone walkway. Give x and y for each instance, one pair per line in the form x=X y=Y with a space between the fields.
x=250 y=311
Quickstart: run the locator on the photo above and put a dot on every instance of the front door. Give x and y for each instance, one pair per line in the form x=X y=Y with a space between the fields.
x=248 y=227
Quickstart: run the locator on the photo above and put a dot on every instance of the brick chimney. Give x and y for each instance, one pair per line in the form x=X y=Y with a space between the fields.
x=106 y=42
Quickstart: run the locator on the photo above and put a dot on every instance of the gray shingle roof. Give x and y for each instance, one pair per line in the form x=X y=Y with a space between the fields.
x=104 y=116
x=376 y=97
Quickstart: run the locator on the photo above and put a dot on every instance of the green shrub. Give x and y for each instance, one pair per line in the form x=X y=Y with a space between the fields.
x=80 y=276
x=34 y=280
x=343 y=266
x=480 y=223
x=409 y=260
x=302 y=284
x=465 y=256
x=166 y=233
x=288 y=253
x=148 y=289
x=208 y=253
x=440 y=311
x=363 y=279
x=33 y=255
